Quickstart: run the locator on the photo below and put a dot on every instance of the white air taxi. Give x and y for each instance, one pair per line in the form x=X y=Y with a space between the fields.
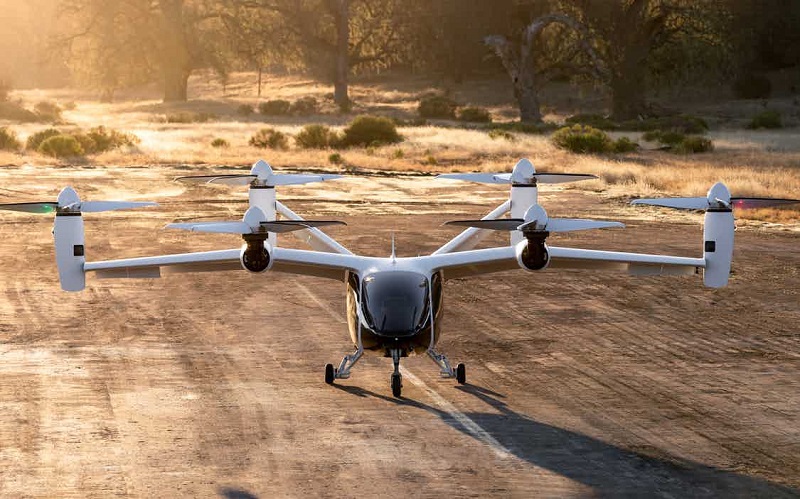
x=394 y=305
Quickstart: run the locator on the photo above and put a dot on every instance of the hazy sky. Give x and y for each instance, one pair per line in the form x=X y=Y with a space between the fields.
x=25 y=28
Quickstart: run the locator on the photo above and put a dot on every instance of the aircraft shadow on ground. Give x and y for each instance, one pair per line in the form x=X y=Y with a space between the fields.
x=606 y=468
x=234 y=493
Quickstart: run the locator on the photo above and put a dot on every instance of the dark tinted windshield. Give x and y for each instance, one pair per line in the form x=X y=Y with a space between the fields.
x=395 y=303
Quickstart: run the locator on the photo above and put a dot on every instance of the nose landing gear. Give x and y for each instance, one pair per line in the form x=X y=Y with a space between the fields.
x=397 y=378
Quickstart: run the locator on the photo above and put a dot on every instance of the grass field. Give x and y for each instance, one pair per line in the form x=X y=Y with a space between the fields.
x=757 y=163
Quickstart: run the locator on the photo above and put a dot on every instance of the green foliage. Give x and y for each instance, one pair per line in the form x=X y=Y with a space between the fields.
x=336 y=159
x=13 y=111
x=35 y=140
x=304 y=106
x=47 y=111
x=593 y=120
x=474 y=115
x=370 y=131
x=437 y=106
x=684 y=123
x=316 y=137
x=526 y=128
x=61 y=146
x=105 y=139
x=752 y=86
x=244 y=110
x=766 y=119
x=694 y=144
x=8 y=140
x=431 y=160
x=583 y=139
x=667 y=138
x=220 y=143
x=186 y=117
x=398 y=154
x=277 y=107
x=497 y=133
x=269 y=138
x=624 y=145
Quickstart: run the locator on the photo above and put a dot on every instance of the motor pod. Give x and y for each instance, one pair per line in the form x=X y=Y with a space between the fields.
x=255 y=255
x=532 y=254
x=69 y=243
x=718 y=247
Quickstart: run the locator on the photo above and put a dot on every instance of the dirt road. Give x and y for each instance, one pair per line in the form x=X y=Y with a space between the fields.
x=580 y=384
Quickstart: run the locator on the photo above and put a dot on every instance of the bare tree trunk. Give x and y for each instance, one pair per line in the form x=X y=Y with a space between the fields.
x=175 y=59
x=628 y=88
x=341 y=11
x=528 y=102
x=260 y=71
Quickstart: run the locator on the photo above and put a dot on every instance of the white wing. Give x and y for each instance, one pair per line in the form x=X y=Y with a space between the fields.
x=476 y=262
x=313 y=263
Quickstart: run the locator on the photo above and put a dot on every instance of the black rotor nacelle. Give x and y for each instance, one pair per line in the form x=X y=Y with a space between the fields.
x=255 y=255
x=533 y=255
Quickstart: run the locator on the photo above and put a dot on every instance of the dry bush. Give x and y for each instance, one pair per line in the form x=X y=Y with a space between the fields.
x=220 y=143
x=277 y=107
x=582 y=139
x=372 y=131
x=244 y=110
x=437 y=106
x=317 y=137
x=61 y=146
x=47 y=111
x=474 y=115
x=269 y=138
x=768 y=119
x=35 y=140
x=187 y=117
x=8 y=140
x=304 y=106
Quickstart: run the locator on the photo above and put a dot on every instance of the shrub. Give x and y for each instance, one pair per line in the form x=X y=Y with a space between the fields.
x=274 y=107
x=418 y=121
x=668 y=138
x=12 y=111
x=47 y=111
x=188 y=117
x=220 y=143
x=766 y=119
x=316 y=137
x=35 y=140
x=270 y=138
x=69 y=106
x=398 y=154
x=431 y=160
x=582 y=139
x=87 y=144
x=685 y=123
x=526 y=128
x=437 y=106
x=61 y=146
x=752 y=86
x=8 y=140
x=593 y=120
x=336 y=159
x=105 y=139
x=474 y=115
x=497 y=133
x=304 y=106
x=244 y=110
x=694 y=144
x=370 y=131
x=623 y=145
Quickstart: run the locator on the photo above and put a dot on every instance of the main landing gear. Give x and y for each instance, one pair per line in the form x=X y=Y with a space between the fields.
x=459 y=373
x=343 y=371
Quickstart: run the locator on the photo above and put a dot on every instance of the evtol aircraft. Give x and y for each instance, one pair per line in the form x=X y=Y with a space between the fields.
x=394 y=305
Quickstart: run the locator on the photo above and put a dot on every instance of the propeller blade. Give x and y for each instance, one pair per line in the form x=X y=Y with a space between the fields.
x=234 y=179
x=573 y=224
x=214 y=227
x=753 y=203
x=501 y=224
x=481 y=178
x=282 y=226
x=300 y=178
x=98 y=206
x=678 y=203
x=562 y=178
x=41 y=208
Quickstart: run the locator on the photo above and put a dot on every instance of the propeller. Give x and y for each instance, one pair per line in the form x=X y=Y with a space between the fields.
x=718 y=198
x=253 y=222
x=68 y=201
x=261 y=174
x=524 y=173
x=536 y=220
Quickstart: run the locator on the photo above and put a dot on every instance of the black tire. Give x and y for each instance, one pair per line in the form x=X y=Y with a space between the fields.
x=397 y=385
x=329 y=374
x=461 y=374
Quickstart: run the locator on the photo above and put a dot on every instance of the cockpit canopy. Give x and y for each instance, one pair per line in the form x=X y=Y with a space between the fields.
x=395 y=303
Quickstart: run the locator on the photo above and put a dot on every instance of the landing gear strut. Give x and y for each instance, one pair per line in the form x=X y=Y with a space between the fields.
x=343 y=371
x=397 y=378
x=459 y=373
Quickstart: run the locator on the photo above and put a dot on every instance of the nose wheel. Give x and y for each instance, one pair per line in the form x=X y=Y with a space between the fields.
x=397 y=378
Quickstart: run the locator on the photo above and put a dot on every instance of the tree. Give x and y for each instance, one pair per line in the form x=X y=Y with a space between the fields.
x=532 y=59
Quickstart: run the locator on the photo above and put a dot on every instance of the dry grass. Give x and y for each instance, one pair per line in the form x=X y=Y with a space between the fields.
x=758 y=163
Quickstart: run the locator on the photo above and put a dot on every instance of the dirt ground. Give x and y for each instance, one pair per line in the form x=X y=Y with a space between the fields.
x=579 y=384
